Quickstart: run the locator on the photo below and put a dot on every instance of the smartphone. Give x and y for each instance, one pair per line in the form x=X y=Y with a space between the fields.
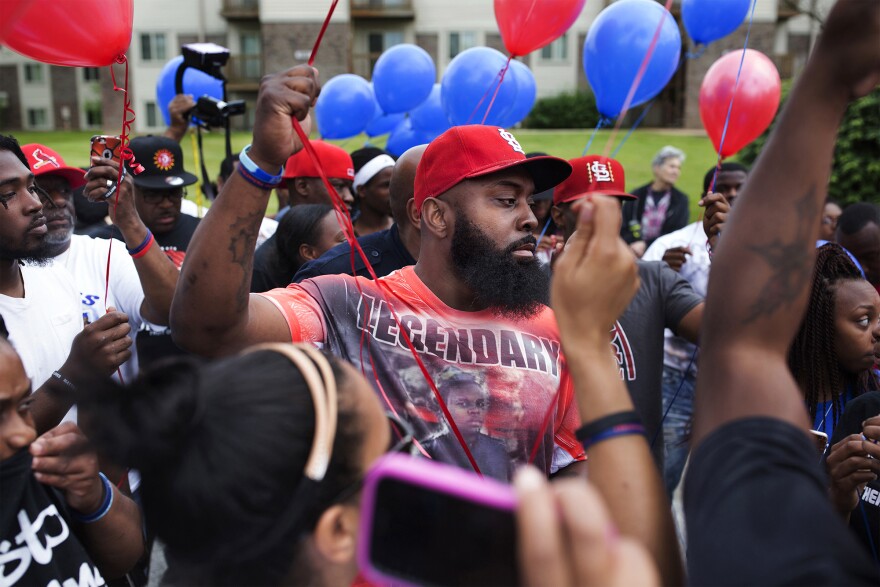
x=107 y=147
x=820 y=440
x=426 y=523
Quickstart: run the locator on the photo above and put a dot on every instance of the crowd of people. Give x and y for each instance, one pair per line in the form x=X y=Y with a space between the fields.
x=198 y=400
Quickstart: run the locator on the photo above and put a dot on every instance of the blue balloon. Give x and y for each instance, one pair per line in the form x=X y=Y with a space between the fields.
x=526 y=93
x=403 y=78
x=710 y=20
x=429 y=115
x=196 y=83
x=617 y=44
x=405 y=137
x=345 y=107
x=471 y=80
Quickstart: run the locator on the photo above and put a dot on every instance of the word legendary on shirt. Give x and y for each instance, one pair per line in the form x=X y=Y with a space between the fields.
x=468 y=346
x=34 y=544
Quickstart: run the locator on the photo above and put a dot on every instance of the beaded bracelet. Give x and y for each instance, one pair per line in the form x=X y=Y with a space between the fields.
x=102 y=510
x=141 y=250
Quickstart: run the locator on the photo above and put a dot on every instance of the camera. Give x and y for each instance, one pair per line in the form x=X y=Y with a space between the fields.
x=211 y=112
x=207 y=57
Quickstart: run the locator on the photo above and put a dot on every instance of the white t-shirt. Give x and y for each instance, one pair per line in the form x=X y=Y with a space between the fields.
x=43 y=324
x=268 y=226
x=86 y=259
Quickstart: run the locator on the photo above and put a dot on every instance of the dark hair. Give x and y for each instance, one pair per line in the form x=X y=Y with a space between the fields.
x=9 y=143
x=298 y=227
x=227 y=166
x=856 y=216
x=812 y=356
x=364 y=155
x=4 y=332
x=221 y=448
x=729 y=166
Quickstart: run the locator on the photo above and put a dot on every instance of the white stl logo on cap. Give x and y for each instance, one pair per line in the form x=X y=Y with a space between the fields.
x=43 y=159
x=511 y=140
x=599 y=172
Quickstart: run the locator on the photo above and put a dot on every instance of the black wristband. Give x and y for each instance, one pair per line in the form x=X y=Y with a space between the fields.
x=588 y=431
x=64 y=380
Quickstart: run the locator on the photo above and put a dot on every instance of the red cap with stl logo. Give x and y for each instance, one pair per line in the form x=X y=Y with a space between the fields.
x=463 y=152
x=592 y=174
x=335 y=161
x=44 y=160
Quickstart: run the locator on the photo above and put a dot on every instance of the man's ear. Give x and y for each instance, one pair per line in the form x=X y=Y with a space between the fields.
x=412 y=215
x=308 y=252
x=335 y=536
x=558 y=217
x=301 y=187
x=437 y=218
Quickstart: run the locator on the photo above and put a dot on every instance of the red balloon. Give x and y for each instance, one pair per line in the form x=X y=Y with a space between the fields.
x=527 y=25
x=79 y=33
x=755 y=104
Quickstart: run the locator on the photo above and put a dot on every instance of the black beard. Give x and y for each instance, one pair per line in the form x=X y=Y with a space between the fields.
x=512 y=288
x=38 y=257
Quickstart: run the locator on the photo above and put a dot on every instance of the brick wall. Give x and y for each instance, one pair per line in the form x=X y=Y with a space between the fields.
x=10 y=116
x=64 y=96
x=282 y=40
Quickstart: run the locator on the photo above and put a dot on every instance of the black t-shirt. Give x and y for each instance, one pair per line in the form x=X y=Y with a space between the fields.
x=757 y=510
x=270 y=270
x=154 y=341
x=37 y=543
x=864 y=521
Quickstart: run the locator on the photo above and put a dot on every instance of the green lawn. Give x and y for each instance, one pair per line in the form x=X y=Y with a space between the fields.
x=635 y=155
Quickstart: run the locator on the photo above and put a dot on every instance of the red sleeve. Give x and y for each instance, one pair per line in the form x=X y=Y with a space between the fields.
x=569 y=420
x=303 y=314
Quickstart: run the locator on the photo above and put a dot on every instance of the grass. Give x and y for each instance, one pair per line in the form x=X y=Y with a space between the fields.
x=635 y=155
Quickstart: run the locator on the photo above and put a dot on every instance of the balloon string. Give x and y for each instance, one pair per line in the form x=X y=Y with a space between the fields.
x=742 y=60
x=497 y=88
x=321 y=34
x=643 y=68
x=602 y=122
x=483 y=99
x=633 y=129
x=344 y=219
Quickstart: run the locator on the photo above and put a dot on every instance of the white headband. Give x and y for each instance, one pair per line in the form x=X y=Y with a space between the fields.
x=371 y=168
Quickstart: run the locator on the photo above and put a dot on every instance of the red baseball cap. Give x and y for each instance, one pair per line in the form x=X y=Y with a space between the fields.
x=593 y=174
x=45 y=161
x=335 y=161
x=463 y=152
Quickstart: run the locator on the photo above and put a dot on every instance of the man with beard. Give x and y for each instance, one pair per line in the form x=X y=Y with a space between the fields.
x=474 y=301
x=663 y=300
x=142 y=285
x=41 y=304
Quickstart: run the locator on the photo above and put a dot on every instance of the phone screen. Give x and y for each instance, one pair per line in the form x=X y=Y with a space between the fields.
x=426 y=537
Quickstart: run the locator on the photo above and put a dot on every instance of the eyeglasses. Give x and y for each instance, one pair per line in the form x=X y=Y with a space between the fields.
x=157 y=196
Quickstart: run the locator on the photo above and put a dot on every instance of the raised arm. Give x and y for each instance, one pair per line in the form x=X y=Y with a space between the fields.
x=593 y=282
x=213 y=312
x=764 y=260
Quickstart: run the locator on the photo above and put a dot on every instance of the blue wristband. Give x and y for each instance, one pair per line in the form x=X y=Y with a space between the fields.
x=254 y=170
x=102 y=510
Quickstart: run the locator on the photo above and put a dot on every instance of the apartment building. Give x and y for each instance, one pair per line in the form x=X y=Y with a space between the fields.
x=270 y=35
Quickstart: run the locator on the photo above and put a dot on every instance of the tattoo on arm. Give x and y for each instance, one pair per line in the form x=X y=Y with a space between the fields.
x=242 y=243
x=791 y=262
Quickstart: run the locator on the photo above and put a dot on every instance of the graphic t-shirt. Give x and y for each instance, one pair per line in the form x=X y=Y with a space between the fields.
x=518 y=361
x=662 y=300
x=153 y=340
x=37 y=543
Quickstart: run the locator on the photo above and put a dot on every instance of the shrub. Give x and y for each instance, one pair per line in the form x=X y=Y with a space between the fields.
x=856 y=171
x=566 y=110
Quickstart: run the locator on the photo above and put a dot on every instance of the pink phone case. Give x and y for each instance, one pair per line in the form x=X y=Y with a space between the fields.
x=433 y=476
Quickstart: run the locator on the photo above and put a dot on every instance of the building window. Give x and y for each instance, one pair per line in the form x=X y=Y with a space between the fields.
x=37 y=117
x=94 y=116
x=377 y=43
x=153 y=47
x=557 y=50
x=152 y=114
x=461 y=41
x=33 y=73
x=91 y=74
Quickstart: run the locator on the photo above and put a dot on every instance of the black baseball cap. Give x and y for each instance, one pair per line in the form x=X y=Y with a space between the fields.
x=162 y=159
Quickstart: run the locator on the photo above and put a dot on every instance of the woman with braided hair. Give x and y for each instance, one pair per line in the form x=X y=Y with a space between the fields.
x=832 y=355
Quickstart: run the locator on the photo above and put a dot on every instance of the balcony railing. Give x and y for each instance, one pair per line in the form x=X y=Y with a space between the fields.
x=240 y=9
x=244 y=69
x=382 y=9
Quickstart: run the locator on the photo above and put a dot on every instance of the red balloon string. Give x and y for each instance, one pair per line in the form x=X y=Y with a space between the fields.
x=344 y=219
x=643 y=68
x=485 y=95
x=321 y=34
x=497 y=88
